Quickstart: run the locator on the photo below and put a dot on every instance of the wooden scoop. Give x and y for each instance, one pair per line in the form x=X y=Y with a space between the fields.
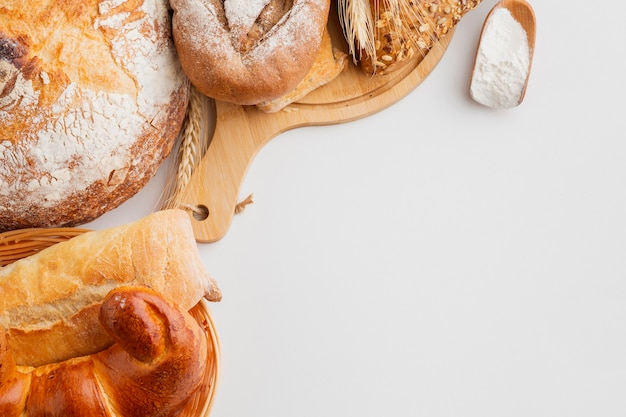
x=524 y=14
x=212 y=192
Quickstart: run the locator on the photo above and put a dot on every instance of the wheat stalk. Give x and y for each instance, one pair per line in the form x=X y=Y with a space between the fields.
x=357 y=22
x=193 y=143
x=383 y=34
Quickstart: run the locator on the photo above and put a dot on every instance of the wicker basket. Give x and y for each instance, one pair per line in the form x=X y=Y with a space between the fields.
x=15 y=245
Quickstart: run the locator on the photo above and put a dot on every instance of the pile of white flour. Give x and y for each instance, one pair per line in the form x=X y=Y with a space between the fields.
x=502 y=62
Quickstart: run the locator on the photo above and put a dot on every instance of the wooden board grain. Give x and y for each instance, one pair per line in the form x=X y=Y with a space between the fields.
x=240 y=132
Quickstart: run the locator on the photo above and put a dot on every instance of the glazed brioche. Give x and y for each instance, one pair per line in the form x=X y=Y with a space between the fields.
x=383 y=35
x=156 y=364
x=246 y=52
x=92 y=98
x=50 y=301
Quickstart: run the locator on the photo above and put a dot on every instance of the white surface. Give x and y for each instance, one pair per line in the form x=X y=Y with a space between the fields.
x=439 y=258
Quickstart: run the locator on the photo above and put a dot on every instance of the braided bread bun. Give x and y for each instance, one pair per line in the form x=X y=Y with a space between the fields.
x=156 y=364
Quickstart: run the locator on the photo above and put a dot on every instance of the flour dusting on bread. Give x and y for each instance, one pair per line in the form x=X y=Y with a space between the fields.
x=91 y=99
x=247 y=52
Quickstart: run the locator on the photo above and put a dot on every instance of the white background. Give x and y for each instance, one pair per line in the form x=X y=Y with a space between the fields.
x=438 y=258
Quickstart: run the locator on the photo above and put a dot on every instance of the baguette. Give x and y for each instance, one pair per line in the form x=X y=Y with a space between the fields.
x=156 y=364
x=50 y=300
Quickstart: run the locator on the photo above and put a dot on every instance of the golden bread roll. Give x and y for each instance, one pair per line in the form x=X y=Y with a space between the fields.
x=50 y=300
x=156 y=364
x=244 y=51
x=92 y=98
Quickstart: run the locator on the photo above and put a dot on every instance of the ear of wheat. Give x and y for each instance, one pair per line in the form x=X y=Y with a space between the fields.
x=193 y=142
x=382 y=35
x=357 y=21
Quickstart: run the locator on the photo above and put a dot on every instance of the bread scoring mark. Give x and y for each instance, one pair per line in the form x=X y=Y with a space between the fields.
x=10 y=49
x=25 y=318
x=246 y=21
x=250 y=21
x=18 y=94
x=63 y=35
x=49 y=47
x=8 y=78
x=10 y=53
x=243 y=14
x=117 y=176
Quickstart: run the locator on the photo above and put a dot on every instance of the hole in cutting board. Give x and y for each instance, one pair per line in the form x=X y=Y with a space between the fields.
x=200 y=212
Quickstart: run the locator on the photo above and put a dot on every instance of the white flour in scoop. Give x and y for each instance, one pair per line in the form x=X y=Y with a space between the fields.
x=502 y=62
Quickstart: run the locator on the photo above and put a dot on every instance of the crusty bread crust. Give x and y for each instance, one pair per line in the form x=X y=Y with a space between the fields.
x=246 y=56
x=92 y=98
x=156 y=364
x=50 y=301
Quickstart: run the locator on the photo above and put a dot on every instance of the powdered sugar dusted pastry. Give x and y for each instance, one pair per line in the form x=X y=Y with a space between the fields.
x=92 y=97
x=248 y=51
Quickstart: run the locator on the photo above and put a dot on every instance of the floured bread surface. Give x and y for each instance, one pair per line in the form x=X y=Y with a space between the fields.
x=92 y=97
x=248 y=51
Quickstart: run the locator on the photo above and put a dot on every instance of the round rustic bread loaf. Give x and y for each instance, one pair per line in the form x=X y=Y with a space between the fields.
x=248 y=51
x=92 y=98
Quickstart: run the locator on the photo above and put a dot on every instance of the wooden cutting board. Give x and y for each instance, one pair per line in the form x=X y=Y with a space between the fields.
x=212 y=192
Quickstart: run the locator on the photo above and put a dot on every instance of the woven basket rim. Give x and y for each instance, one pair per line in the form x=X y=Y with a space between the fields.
x=18 y=244
x=201 y=402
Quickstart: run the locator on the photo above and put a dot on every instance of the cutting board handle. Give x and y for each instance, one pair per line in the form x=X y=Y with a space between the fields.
x=212 y=192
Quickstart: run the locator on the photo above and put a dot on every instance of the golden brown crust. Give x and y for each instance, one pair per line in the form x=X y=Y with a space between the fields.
x=156 y=364
x=63 y=379
x=92 y=99
x=58 y=341
x=399 y=30
x=162 y=351
x=50 y=300
x=14 y=386
x=234 y=53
